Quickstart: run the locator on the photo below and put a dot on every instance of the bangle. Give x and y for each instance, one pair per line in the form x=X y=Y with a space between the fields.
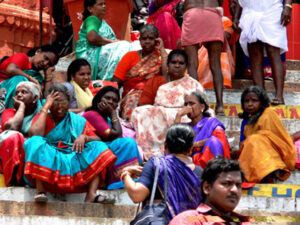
x=44 y=110
x=288 y=5
x=114 y=119
x=123 y=175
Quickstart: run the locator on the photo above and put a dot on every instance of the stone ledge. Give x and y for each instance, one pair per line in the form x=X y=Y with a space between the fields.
x=293 y=64
x=269 y=85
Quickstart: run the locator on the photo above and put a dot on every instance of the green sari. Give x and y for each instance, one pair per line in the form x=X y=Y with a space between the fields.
x=103 y=59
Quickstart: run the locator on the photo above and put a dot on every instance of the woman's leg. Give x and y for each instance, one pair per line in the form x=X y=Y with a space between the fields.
x=278 y=73
x=92 y=189
x=40 y=192
x=256 y=56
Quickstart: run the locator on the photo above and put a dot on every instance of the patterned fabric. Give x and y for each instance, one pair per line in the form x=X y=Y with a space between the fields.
x=103 y=59
x=151 y=122
x=52 y=160
x=297 y=146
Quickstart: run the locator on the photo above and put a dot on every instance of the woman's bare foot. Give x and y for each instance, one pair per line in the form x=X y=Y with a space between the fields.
x=220 y=111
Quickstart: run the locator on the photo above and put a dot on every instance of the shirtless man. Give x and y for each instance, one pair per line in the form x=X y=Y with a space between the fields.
x=202 y=23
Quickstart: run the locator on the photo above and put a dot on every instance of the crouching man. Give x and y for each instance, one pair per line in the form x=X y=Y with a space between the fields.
x=222 y=189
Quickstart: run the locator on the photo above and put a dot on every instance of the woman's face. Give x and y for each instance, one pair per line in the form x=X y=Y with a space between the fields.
x=197 y=108
x=110 y=98
x=43 y=60
x=60 y=106
x=176 y=67
x=252 y=103
x=98 y=9
x=24 y=95
x=148 y=41
x=83 y=77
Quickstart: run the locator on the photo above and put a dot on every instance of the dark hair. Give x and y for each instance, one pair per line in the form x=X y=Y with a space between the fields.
x=149 y=28
x=87 y=3
x=180 y=138
x=178 y=52
x=59 y=87
x=99 y=95
x=264 y=99
x=218 y=165
x=202 y=99
x=43 y=48
x=75 y=67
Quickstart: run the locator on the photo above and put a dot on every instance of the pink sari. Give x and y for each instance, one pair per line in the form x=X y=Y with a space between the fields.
x=169 y=30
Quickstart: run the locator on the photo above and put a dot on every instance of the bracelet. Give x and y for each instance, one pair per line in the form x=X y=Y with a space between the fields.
x=114 y=119
x=164 y=56
x=123 y=175
x=288 y=5
x=44 y=110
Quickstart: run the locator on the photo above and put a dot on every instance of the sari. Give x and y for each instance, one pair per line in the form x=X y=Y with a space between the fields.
x=11 y=146
x=216 y=145
x=103 y=59
x=135 y=72
x=152 y=121
x=84 y=98
x=124 y=148
x=11 y=84
x=297 y=146
x=51 y=159
x=162 y=18
x=267 y=148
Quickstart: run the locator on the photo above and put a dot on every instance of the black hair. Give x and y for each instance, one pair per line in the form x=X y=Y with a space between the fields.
x=59 y=87
x=180 y=138
x=44 y=48
x=87 y=3
x=201 y=97
x=99 y=95
x=75 y=67
x=149 y=28
x=264 y=99
x=218 y=165
x=178 y=52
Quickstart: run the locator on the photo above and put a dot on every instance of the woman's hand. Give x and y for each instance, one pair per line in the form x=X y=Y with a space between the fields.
x=53 y=96
x=105 y=108
x=181 y=113
x=286 y=16
x=18 y=104
x=33 y=80
x=134 y=171
x=199 y=144
x=159 y=44
x=78 y=145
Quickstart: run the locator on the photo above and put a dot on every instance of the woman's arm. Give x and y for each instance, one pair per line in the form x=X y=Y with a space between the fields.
x=95 y=39
x=117 y=80
x=39 y=126
x=16 y=122
x=181 y=113
x=12 y=70
x=164 y=57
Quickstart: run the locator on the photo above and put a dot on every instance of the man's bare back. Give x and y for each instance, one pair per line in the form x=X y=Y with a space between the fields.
x=189 y=4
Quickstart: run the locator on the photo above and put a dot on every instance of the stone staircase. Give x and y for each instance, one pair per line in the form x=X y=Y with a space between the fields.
x=269 y=204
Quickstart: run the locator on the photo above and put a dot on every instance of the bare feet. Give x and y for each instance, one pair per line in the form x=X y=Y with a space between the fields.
x=220 y=111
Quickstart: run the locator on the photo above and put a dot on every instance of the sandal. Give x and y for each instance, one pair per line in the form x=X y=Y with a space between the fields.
x=105 y=199
x=40 y=197
x=276 y=101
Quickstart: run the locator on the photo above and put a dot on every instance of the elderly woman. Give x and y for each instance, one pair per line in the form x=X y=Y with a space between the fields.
x=210 y=140
x=103 y=117
x=152 y=121
x=21 y=67
x=139 y=68
x=184 y=184
x=64 y=154
x=97 y=42
x=15 y=124
x=267 y=151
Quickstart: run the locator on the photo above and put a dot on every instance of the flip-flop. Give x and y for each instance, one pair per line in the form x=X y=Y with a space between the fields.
x=106 y=199
x=41 y=197
x=276 y=101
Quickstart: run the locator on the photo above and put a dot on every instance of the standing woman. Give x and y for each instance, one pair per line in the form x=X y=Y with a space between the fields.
x=210 y=138
x=97 y=41
x=102 y=115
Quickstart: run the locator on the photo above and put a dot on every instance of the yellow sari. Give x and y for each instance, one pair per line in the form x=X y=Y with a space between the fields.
x=268 y=147
x=84 y=97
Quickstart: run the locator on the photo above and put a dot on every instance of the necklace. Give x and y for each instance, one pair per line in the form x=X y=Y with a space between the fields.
x=184 y=158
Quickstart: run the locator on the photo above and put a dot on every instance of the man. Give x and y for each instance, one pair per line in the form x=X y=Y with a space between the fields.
x=221 y=188
x=202 y=23
x=263 y=24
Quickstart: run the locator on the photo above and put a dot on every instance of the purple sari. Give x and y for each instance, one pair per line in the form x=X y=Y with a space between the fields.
x=184 y=190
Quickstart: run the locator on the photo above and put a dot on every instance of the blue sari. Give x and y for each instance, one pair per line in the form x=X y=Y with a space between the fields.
x=52 y=160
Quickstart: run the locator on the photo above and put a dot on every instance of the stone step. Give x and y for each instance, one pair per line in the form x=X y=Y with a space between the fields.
x=234 y=97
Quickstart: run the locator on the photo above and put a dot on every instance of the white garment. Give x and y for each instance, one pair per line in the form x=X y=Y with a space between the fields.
x=260 y=21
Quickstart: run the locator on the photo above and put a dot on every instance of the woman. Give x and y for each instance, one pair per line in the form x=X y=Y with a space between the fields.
x=210 y=141
x=64 y=154
x=267 y=150
x=16 y=123
x=97 y=42
x=184 y=184
x=79 y=76
x=103 y=117
x=160 y=15
x=296 y=140
x=152 y=121
x=20 y=67
x=139 y=67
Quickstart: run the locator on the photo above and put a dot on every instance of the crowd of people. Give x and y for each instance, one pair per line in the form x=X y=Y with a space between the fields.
x=66 y=137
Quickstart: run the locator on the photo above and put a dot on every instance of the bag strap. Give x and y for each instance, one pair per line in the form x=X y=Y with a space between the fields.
x=155 y=181
x=166 y=180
